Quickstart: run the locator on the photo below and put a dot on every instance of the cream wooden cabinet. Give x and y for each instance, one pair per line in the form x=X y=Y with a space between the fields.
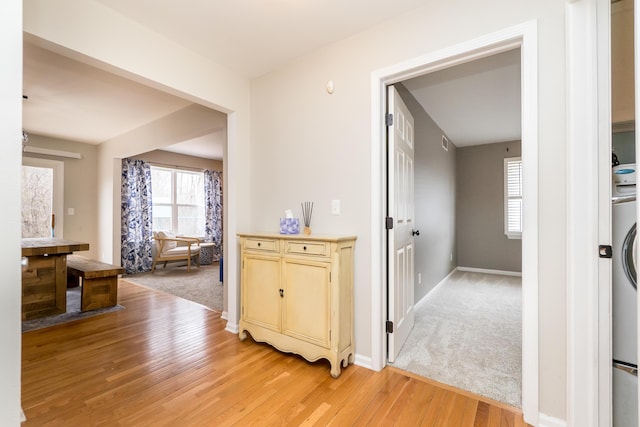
x=297 y=294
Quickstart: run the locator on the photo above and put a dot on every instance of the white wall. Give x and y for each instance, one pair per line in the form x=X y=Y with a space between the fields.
x=309 y=145
x=168 y=158
x=10 y=134
x=92 y=33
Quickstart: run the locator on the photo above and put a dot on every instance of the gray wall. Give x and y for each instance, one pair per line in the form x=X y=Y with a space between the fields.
x=480 y=240
x=434 y=191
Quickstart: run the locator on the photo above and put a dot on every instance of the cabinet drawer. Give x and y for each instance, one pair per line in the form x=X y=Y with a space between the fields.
x=307 y=248
x=267 y=245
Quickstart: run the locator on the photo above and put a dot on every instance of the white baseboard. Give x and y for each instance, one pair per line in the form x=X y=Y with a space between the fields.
x=233 y=328
x=424 y=298
x=363 y=361
x=224 y=315
x=548 y=421
x=488 y=271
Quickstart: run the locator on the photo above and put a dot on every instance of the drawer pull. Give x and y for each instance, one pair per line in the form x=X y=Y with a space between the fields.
x=304 y=248
x=281 y=293
x=259 y=243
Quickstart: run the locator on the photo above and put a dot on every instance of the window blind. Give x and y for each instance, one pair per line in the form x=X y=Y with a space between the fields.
x=513 y=197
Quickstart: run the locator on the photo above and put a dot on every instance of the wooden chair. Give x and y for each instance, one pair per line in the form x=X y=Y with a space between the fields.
x=176 y=248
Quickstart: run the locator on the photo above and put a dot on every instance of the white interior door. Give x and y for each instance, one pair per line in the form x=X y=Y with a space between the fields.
x=401 y=208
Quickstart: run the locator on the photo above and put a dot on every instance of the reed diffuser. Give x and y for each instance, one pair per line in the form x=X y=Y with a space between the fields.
x=307 y=210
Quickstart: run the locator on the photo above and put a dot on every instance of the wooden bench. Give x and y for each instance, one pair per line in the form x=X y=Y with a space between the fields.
x=99 y=281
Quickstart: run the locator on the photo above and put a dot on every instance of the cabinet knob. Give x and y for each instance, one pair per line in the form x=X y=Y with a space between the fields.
x=259 y=243
x=304 y=248
x=281 y=292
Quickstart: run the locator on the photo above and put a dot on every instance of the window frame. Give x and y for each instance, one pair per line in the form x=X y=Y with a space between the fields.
x=174 y=205
x=509 y=233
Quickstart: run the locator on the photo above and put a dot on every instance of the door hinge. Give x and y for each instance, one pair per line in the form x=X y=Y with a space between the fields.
x=388 y=223
x=388 y=119
x=389 y=326
x=605 y=251
x=329 y=277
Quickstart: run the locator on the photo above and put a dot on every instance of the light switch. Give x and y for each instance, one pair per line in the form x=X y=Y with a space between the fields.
x=335 y=207
x=71 y=211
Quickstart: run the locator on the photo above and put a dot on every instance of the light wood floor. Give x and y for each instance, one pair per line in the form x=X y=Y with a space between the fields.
x=164 y=361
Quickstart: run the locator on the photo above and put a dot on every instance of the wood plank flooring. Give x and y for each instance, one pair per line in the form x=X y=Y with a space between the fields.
x=165 y=361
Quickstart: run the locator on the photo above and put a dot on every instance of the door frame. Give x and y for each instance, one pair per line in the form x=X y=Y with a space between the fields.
x=523 y=36
x=589 y=392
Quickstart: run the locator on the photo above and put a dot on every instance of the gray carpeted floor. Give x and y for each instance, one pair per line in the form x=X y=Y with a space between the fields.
x=468 y=334
x=201 y=285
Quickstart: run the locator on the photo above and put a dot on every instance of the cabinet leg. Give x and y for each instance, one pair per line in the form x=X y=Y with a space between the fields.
x=335 y=369
x=242 y=334
x=349 y=359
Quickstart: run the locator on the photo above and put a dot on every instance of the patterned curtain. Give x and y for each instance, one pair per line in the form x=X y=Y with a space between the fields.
x=136 y=207
x=213 y=210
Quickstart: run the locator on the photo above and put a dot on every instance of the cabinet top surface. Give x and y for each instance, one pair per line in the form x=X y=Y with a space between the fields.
x=306 y=237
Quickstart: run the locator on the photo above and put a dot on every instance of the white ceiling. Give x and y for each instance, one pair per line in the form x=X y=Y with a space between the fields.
x=71 y=100
x=74 y=101
x=473 y=103
x=253 y=37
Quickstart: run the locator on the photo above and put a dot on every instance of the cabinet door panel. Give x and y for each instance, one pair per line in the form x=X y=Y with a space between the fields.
x=307 y=300
x=261 y=291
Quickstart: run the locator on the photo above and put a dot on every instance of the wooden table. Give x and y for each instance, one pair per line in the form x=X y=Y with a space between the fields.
x=44 y=278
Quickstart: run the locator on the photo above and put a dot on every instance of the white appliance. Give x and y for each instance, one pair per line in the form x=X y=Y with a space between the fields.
x=624 y=313
x=624 y=180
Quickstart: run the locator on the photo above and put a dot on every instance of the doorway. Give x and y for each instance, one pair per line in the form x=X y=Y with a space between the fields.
x=467 y=247
x=42 y=197
x=524 y=37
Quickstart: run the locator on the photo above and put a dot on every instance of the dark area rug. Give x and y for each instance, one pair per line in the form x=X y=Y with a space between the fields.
x=73 y=313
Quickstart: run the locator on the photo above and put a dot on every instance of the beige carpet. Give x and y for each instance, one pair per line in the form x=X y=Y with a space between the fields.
x=201 y=285
x=468 y=334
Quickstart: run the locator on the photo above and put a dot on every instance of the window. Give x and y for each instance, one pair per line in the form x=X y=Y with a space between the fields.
x=178 y=201
x=42 y=197
x=513 y=197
